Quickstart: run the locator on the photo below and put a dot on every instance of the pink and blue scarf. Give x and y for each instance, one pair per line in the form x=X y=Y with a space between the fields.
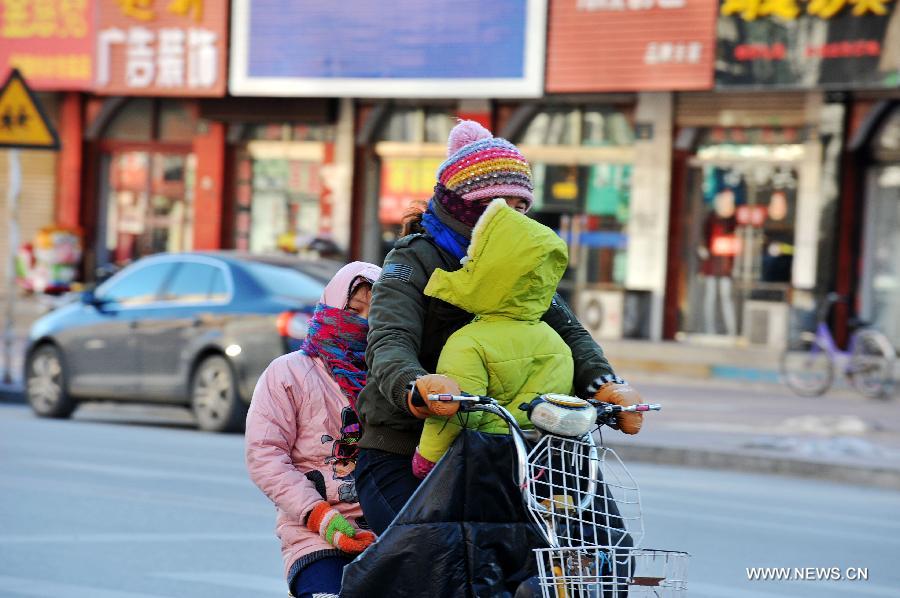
x=338 y=337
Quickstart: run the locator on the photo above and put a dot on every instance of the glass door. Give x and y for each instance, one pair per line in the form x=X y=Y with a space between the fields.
x=150 y=203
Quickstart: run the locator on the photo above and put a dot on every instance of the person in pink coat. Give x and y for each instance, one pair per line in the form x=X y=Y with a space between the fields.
x=301 y=437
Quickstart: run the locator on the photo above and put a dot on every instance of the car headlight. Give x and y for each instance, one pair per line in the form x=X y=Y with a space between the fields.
x=562 y=415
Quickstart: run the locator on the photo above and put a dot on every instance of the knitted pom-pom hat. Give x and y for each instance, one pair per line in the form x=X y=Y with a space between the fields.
x=480 y=166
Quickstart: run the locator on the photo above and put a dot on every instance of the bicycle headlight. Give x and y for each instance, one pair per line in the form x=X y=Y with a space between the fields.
x=562 y=415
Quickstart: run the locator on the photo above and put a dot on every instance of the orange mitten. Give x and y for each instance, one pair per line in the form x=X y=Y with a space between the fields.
x=619 y=392
x=432 y=384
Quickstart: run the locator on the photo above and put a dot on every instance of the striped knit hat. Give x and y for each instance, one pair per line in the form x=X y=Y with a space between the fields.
x=480 y=166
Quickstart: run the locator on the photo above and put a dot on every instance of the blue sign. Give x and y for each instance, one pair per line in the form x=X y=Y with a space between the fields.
x=393 y=48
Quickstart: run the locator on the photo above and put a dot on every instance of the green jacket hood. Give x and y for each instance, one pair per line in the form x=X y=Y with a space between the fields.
x=511 y=269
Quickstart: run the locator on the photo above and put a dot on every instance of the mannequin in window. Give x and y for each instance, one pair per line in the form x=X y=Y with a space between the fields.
x=720 y=246
x=778 y=249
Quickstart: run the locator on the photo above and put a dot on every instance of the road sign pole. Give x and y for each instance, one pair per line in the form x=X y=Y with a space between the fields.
x=12 y=212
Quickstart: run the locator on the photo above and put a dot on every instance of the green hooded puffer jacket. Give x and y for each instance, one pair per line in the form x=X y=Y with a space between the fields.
x=508 y=280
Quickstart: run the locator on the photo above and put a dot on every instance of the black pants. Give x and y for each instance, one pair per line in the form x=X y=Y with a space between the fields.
x=384 y=482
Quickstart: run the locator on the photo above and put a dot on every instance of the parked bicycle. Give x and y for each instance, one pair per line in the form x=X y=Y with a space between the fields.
x=809 y=362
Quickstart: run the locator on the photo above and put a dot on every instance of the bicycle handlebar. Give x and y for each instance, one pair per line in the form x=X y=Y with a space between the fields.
x=602 y=408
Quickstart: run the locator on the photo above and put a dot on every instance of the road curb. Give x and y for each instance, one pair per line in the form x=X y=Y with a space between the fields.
x=699 y=370
x=733 y=461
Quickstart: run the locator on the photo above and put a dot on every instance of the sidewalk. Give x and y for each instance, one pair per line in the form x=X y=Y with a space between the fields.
x=764 y=428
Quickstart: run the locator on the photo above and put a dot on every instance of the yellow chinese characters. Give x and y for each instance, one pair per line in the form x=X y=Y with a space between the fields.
x=143 y=10
x=750 y=10
x=862 y=7
x=825 y=8
x=43 y=18
x=185 y=7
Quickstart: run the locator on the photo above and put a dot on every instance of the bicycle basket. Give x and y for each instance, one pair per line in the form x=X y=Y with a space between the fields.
x=582 y=494
x=605 y=572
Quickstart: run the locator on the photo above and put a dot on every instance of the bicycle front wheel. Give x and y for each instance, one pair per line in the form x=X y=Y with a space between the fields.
x=807 y=367
x=871 y=365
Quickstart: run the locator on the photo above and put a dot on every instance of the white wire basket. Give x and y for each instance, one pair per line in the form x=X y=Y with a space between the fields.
x=582 y=494
x=610 y=572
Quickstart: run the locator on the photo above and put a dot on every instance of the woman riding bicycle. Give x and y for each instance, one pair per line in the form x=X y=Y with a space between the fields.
x=408 y=329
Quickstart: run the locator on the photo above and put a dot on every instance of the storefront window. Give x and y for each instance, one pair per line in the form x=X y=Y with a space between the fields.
x=150 y=204
x=148 y=174
x=282 y=202
x=880 y=285
x=581 y=159
x=739 y=241
x=411 y=146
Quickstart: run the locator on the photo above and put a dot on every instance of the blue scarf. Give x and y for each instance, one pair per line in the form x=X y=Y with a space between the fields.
x=447 y=239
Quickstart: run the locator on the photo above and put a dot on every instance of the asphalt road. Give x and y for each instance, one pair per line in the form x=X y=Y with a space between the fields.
x=132 y=503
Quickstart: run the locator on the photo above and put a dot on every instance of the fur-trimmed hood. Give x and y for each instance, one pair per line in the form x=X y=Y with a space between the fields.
x=512 y=267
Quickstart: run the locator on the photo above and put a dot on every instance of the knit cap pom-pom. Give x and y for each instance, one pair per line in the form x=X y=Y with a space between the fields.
x=464 y=133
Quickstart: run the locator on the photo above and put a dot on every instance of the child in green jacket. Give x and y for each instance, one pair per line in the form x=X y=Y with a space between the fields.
x=508 y=279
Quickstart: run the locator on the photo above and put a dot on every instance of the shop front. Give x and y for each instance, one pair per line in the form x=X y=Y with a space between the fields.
x=879 y=284
x=51 y=44
x=738 y=233
x=582 y=160
x=282 y=201
x=147 y=179
x=758 y=168
x=601 y=146
x=152 y=163
x=398 y=92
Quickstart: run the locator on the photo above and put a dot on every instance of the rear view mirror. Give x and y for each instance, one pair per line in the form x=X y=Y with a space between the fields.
x=89 y=298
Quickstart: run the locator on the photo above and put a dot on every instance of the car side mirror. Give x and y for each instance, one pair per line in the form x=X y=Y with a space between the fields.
x=89 y=298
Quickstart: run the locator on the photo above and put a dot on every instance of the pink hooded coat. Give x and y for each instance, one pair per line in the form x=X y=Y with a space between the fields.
x=292 y=425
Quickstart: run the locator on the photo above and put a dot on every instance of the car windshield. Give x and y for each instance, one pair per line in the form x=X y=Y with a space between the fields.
x=285 y=281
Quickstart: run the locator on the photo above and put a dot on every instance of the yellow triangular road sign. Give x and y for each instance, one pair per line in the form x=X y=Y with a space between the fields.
x=22 y=121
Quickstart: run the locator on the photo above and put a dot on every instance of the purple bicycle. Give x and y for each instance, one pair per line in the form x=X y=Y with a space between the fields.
x=808 y=363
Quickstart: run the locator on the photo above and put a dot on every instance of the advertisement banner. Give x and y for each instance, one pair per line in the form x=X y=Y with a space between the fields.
x=51 y=42
x=388 y=48
x=796 y=44
x=630 y=45
x=161 y=47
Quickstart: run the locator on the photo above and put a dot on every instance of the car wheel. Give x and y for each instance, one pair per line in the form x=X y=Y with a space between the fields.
x=214 y=397
x=45 y=383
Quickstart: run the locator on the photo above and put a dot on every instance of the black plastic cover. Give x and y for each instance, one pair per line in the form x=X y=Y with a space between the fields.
x=464 y=533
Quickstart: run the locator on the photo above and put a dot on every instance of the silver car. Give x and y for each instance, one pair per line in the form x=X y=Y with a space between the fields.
x=193 y=329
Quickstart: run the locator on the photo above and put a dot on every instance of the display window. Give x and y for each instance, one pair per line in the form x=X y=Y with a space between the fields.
x=411 y=145
x=738 y=245
x=880 y=283
x=147 y=181
x=582 y=162
x=282 y=201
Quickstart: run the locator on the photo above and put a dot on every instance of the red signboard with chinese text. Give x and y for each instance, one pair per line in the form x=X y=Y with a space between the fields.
x=161 y=47
x=630 y=45
x=51 y=42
